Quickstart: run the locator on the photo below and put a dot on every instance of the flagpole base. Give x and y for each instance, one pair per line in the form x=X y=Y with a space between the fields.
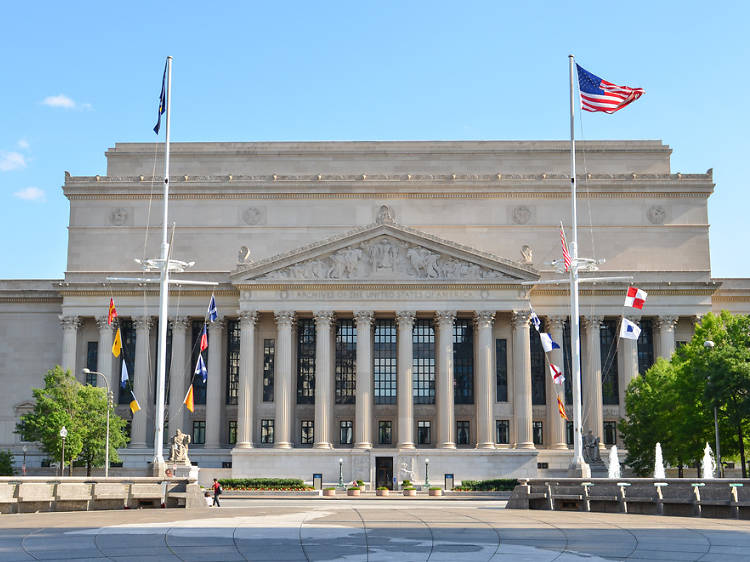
x=579 y=470
x=158 y=467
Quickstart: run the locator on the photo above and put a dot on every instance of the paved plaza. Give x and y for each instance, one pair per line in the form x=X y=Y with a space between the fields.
x=367 y=530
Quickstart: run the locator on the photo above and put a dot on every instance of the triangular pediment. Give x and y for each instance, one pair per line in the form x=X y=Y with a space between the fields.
x=385 y=252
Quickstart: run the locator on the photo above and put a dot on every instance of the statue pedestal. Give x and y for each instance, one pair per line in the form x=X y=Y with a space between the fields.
x=183 y=470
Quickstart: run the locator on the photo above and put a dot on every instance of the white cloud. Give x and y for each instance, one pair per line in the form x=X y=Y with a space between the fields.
x=23 y=143
x=61 y=100
x=11 y=161
x=31 y=194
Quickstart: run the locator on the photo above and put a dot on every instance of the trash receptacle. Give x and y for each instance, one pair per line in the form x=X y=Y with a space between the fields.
x=448 y=481
x=317 y=481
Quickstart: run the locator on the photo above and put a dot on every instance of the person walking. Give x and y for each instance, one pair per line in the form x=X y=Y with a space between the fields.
x=217 y=492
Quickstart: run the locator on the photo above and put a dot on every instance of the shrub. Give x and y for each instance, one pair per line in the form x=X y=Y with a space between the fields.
x=353 y=488
x=435 y=488
x=406 y=483
x=382 y=488
x=6 y=463
x=360 y=483
x=494 y=485
x=330 y=488
x=263 y=484
x=409 y=488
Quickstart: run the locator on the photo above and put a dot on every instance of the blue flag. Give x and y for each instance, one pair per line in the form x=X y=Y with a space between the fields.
x=535 y=320
x=548 y=344
x=213 y=314
x=162 y=100
x=200 y=368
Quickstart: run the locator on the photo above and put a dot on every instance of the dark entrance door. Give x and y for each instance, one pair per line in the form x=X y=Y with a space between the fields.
x=384 y=472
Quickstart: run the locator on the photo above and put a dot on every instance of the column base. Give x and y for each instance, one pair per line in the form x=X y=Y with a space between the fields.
x=132 y=445
x=282 y=445
x=487 y=445
x=363 y=445
x=323 y=445
x=525 y=445
x=406 y=445
x=579 y=470
x=559 y=446
x=244 y=445
x=447 y=445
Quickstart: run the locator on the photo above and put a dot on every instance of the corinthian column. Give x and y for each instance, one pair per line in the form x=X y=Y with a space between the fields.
x=282 y=388
x=628 y=350
x=70 y=325
x=178 y=373
x=446 y=413
x=522 y=379
x=214 y=402
x=405 y=362
x=104 y=357
x=323 y=379
x=484 y=394
x=363 y=411
x=593 y=417
x=665 y=325
x=141 y=381
x=246 y=394
x=555 y=423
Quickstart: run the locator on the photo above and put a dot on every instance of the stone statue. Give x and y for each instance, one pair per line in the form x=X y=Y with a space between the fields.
x=244 y=255
x=178 y=450
x=591 y=448
x=385 y=215
x=527 y=255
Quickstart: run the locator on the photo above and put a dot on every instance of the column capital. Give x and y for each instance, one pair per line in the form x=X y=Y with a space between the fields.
x=284 y=318
x=70 y=322
x=143 y=322
x=634 y=319
x=445 y=316
x=217 y=325
x=406 y=318
x=248 y=318
x=556 y=322
x=364 y=316
x=696 y=319
x=103 y=324
x=520 y=318
x=323 y=318
x=666 y=322
x=484 y=318
x=180 y=323
x=589 y=322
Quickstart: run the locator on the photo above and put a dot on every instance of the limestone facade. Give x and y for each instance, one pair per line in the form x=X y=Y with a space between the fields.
x=373 y=298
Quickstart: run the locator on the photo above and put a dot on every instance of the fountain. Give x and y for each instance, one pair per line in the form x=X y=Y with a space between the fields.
x=659 y=464
x=708 y=464
x=614 y=463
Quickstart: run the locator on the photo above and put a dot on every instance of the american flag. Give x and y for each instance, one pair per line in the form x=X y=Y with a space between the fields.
x=566 y=255
x=600 y=95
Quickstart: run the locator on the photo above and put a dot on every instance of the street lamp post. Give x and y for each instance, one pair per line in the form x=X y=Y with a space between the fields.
x=709 y=345
x=109 y=398
x=23 y=466
x=427 y=473
x=341 y=473
x=63 y=435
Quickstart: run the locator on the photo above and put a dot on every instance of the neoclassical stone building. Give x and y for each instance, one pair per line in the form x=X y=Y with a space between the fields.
x=374 y=299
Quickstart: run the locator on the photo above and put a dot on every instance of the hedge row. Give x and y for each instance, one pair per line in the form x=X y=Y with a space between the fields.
x=263 y=483
x=495 y=485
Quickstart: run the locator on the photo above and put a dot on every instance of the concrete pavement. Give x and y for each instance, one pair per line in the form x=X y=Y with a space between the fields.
x=417 y=530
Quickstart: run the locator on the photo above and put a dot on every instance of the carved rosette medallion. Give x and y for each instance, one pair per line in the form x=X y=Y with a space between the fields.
x=521 y=214
x=656 y=214
x=118 y=216
x=254 y=215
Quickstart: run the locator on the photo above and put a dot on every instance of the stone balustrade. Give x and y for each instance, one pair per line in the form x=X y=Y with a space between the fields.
x=33 y=494
x=723 y=498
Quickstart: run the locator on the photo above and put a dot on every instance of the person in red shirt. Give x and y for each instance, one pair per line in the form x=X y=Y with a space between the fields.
x=217 y=492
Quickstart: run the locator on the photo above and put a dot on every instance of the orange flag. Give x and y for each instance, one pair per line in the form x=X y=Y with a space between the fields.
x=112 y=311
x=189 y=399
x=561 y=409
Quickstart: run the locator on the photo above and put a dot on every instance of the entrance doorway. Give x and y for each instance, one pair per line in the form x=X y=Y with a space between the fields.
x=384 y=472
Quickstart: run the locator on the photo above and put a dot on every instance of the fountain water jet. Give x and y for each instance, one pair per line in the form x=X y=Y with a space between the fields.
x=708 y=464
x=658 y=463
x=614 y=463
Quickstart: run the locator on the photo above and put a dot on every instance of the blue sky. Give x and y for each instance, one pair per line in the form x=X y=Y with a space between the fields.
x=80 y=76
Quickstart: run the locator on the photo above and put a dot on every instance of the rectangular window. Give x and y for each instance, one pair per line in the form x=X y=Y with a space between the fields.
x=537 y=430
x=424 y=432
x=608 y=349
x=232 y=432
x=266 y=431
x=463 y=361
x=385 y=432
x=384 y=354
x=269 y=352
x=501 y=369
x=538 y=368
x=645 y=346
x=127 y=334
x=346 y=361
x=502 y=432
x=610 y=432
x=423 y=364
x=463 y=432
x=306 y=361
x=307 y=434
x=569 y=432
x=199 y=387
x=345 y=432
x=92 y=352
x=233 y=361
x=199 y=432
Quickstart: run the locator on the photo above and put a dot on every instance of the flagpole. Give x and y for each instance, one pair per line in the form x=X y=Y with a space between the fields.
x=158 y=463
x=578 y=467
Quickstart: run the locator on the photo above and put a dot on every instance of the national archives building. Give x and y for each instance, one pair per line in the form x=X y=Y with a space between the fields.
x=374 y=300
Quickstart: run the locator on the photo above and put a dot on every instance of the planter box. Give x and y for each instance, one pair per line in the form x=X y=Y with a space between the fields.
x=355 y=492
x=411 y=493
x=436 y=492
x=381 y=492
x=329 y=493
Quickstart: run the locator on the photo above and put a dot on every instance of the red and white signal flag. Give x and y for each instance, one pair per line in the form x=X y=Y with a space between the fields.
x=635 y=298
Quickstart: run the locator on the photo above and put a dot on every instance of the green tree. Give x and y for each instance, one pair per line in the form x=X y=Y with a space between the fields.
x=6 y=463
x=82 y=410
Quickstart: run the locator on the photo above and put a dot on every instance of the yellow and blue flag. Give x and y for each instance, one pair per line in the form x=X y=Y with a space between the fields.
x=162 y=100
x=134 y=405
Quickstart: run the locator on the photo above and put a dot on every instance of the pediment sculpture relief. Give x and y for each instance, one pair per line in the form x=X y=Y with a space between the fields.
x=385 y=258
